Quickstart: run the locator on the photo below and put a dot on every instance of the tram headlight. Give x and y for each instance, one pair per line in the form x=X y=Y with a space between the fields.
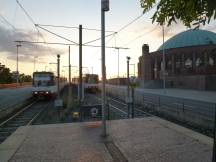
x=35 y=92
x=47 y=92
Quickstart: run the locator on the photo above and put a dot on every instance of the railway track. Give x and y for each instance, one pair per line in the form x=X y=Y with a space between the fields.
x=24 y=117
x=119 y=107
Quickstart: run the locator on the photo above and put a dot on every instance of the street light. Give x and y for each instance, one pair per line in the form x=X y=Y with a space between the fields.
x=45 y=67
x=18 y=45
x=118 y=48
x=104 y=8
x=134 y=68
x=92 y=69
x=128 y=82
x=35 y=62
x=118 y=61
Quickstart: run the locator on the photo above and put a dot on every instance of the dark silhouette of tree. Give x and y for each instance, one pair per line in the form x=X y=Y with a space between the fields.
x=190 y=12
x=5 y=75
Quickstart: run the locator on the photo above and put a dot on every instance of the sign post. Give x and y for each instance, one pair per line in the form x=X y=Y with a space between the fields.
x=104 y=8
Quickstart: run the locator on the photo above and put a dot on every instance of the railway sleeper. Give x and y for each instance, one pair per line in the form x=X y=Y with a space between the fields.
x=14 y=125
x=20 y=122
x=2 y=134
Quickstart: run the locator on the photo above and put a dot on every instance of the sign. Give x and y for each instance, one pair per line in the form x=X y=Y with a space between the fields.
x=75 y=115
x=90 y=112
x=58 y=103
x=105 y=5
x=94 y=112
x=133 y=81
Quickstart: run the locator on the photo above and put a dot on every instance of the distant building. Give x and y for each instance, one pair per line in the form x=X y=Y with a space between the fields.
x=190 y=62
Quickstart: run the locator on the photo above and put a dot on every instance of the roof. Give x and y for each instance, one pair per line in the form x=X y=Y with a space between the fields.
x=190 y=38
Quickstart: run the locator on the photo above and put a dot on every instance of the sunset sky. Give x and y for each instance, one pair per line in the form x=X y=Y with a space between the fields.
x=15 y=25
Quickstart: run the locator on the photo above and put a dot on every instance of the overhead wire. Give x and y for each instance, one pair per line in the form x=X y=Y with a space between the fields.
x=139 y=36
x=73 y=27
x=68 y=44
x=7 y=22
x=131 y=22
x=99 y=38
x=30 y=18
x=56 y=34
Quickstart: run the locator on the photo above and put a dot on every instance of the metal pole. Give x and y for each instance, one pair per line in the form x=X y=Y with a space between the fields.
x=134 y=71
x=58 y=73
x=17 y=68
x=34 y=64
x=69 y=74
x=118 y=63
x=80 y=62
x=103 y=71
x=128 y=81
x=92 y=69
x=69 y=78
x=164 y=65
x=132 y=106
x=104 y=8
x=133 y=68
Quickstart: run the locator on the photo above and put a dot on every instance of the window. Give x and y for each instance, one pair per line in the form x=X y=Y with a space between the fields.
x=188 y=63
x=169 y=63
x=199 y=62
x=211 y=61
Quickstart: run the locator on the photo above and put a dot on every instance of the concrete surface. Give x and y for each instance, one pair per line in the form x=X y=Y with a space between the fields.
x=13 y=96
x=139 y=140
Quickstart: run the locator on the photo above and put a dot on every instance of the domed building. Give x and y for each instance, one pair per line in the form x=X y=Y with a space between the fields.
x=190 y=62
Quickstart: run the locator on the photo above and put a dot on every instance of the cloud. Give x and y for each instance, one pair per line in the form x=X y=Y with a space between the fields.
x=27 y=52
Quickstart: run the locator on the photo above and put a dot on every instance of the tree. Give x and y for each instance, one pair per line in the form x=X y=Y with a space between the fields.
x=190 y=12
x=25 y=78
x=5 y=75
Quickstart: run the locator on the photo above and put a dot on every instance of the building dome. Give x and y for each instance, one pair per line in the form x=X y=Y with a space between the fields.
x=190 y=38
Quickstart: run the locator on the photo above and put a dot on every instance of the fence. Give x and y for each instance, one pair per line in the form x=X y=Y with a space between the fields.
x=194 y=112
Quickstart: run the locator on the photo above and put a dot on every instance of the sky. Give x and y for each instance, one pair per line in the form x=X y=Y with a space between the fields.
x=16 y=25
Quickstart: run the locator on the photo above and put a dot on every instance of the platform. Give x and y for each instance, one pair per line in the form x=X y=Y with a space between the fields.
x=137 y=140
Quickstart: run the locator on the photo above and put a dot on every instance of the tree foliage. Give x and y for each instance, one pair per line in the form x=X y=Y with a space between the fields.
x=25 y=78
x=5 y=75
x=190 y=12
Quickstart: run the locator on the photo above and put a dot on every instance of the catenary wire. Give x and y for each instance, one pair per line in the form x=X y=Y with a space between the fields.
x=30 y=18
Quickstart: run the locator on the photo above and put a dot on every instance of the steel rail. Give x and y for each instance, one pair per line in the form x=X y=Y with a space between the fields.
x=19 y=112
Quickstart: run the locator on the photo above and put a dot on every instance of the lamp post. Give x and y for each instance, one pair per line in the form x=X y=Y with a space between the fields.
x=134 y=68
x=92 y=69
x=34 y=62
x=118 y=61
x=128 y=82
x=104 y=8
x=45 y=68
x=17 y=68
x=58 y=73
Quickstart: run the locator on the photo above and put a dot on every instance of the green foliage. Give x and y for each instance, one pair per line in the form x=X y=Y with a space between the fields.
x=190 y=12
x=25 y=78
x=5 y=75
